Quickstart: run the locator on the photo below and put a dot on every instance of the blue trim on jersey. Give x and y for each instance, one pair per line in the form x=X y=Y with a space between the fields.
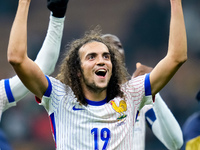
x=151 y=115
x=53 y=125
x=147 y=85
x=8 y=91
x=49 y=89
x=95 y=103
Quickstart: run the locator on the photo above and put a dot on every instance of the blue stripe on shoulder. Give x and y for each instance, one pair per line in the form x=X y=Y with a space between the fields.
x=147 y=85
x=8 y=91
x=150 y=117
x=49 y=89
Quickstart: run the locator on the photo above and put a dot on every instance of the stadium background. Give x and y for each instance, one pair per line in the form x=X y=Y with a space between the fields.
x=143 y=27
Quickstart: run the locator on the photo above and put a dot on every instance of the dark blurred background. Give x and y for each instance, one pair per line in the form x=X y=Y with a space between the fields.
x=143 y=27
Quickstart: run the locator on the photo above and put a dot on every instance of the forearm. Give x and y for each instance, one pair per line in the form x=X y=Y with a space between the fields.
x=177 y=39
x=28 y=71
x=49 y=53
x=166 y=128
x=177 y=50
x=46 y=58
x=17 y=47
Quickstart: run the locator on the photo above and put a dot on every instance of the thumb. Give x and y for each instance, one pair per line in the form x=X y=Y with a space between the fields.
x=138 y=65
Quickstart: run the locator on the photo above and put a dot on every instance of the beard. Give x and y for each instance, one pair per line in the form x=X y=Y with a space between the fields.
x=91 y=86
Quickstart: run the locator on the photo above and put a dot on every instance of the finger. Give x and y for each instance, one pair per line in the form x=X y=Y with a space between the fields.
x=138 y=65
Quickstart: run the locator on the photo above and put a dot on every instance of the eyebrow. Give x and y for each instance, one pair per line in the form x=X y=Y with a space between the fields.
x=105 y=53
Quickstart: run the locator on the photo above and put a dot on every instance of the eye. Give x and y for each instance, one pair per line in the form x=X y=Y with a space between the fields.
x=106 y=56
x=90 y=57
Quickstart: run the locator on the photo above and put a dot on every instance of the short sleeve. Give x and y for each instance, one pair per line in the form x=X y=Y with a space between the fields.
x=53 y=95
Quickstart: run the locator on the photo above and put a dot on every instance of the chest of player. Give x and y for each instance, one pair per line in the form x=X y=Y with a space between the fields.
x=95 y=127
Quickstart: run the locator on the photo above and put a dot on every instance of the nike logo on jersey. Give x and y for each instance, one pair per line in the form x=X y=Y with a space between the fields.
x=75 y=108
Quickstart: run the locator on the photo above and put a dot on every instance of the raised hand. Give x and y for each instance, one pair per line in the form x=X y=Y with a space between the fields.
x=58 y=7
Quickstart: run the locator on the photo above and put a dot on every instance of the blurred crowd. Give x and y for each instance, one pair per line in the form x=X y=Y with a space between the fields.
x=143 y=29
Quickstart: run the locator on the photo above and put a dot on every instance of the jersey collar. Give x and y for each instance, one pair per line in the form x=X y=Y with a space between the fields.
x=96 y=103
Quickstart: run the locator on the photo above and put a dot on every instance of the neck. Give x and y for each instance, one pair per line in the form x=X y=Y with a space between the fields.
x=95 y=95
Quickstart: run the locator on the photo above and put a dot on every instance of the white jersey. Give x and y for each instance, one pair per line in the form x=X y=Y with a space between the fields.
x=3 y=98
x=161 y=121
x=6 y=98
x=99 y=125
x=140 y=128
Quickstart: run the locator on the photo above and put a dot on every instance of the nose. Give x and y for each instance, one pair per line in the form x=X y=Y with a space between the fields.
x=100 y=61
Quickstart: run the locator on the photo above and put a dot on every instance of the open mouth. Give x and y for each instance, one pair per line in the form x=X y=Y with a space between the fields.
x=101 y=72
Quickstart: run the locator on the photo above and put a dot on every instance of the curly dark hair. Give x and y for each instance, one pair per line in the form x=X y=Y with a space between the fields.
x=71 y=65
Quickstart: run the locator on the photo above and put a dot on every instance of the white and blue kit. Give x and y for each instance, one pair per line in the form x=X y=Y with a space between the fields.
x=12 y=90
x=99 y=125
x=161 y=121
x=102 y=125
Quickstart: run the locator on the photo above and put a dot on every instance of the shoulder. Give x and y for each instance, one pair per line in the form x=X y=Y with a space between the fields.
x=2 y=82
x=55 y=82
x=2 y=88
x=58 y=86
x=134 y=82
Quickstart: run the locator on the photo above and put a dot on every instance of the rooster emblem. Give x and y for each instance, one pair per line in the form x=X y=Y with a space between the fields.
x=120 y=109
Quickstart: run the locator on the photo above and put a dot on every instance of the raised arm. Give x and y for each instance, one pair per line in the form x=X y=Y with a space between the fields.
x=159 y=117
x=27 y=70
x=49 y=51
x=177 y=50
x=51 y=47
